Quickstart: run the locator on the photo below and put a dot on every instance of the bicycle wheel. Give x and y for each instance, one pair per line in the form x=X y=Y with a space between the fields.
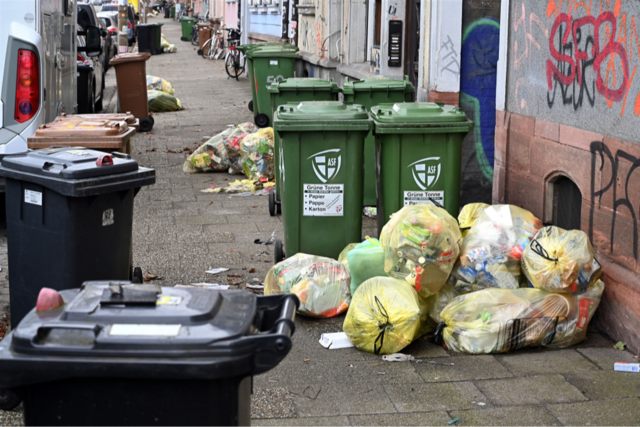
x=230 y=65
x=195 y=36
x=219 y=53
x=242 y=62
x=208 y=49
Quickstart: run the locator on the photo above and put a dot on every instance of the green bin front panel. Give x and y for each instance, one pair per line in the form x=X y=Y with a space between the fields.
x=322 y=168
x=369 y=99
x=415 y=167
x=284 y=97
x=267 y=70
x=187 y=27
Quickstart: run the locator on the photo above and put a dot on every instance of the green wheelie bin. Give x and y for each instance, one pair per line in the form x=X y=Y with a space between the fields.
x=321 y=146
x=187 y=27
x=370 y=92
x=295 y=90
x=269 y=64
x=418 y=149
x=173 y=11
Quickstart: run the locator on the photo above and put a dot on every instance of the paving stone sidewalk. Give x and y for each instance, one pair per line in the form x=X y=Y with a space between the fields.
x=179 y=232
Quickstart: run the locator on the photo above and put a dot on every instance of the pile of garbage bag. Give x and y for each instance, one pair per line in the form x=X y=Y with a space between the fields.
x=421 y=244
x=166 y=46
x=560 y=261
x=220 y=153
x=257 y=154
x=162 y=102
x=500 y=320
x=243 y=187
x=385 y=316
x=158 y=83
x=321 y=284
x=492 y=250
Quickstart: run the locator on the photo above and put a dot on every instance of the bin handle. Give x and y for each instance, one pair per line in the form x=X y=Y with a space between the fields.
x=48 y=166
x=121 y=155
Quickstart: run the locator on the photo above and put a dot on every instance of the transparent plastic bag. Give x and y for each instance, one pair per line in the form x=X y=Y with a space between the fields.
x=162 y=102
x=342 y=258
x=158 y=83
x=213 y=155
x=500 y=320
x=366 y=261
x=257 y=153
x=385 y=316
x=321 y=284
x=421 y=244
x=469 y=215
x=492 y=250
x=560 y=261
x=436 y=303
x=233 y=142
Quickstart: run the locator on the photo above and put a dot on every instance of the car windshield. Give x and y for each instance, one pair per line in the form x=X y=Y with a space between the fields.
x=109 y=8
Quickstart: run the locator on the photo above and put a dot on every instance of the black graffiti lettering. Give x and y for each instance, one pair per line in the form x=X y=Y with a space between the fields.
x=600 y=151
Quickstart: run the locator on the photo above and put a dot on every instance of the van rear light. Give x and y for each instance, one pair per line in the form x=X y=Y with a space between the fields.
x=27 y=86
x=81 y=58
x=129 y=25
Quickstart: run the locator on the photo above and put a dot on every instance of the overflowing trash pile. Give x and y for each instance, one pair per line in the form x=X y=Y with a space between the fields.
x=160 y=95
x=509 y=283
x=166 y=46
x=239 y=149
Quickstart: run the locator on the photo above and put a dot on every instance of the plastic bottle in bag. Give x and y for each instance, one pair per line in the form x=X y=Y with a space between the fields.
x=257 y=153
x=500 y=320
x=366 y=261
x=421 y=244
x=560 y=261
x=492 y=250
x=385 y=316
x=321 y=284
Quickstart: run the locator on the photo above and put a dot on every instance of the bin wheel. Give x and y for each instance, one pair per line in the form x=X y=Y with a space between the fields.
x=137 y=275
x=153 y=121
x=272 y=203
x=200 y=52
x=251 y=105
x=279 y=252
x=279 y=206
x=184 y=39
x=146 y=124
x=8 y=399
x=262 y=120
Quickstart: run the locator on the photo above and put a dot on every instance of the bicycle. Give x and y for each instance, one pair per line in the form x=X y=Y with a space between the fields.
x=214 y=47
x=234 y=61
x=195 y=30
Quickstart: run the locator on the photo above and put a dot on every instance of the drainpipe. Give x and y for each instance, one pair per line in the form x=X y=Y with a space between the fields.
x=294 y=17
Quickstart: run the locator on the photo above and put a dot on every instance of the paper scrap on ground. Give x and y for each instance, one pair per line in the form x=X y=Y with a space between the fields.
x=335 y=340
x=217 y=270
x=254 y=286
x=211 y=286
x=626 y=367
x=398 y=357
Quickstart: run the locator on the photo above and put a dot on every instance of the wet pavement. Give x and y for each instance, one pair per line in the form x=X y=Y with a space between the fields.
x=179 y=232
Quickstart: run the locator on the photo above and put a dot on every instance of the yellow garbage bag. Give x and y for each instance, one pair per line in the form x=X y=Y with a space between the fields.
x=469 y=214
x=257 y=154
x=492 y=250
x=436 y=303
x=421 y=244
x=161 y=101
x=560 y=261
x=321 y=284
x=342 y=258
x=213 y=155
x=158 y=83
x=500 y=320
x=385 y=316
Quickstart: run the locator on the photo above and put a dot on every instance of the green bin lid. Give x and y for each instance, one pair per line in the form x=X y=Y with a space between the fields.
x=303 y=84
x=419 y=117
x=273 y=51
x=187 y=18
x=322 y=115
x=377 y=84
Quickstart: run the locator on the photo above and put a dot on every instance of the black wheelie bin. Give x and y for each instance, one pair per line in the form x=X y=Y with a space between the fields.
x=117 y=353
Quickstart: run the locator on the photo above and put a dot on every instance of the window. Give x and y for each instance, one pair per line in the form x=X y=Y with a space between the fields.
x=567 y=204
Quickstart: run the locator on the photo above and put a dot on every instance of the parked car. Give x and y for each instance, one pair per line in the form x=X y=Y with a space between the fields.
x=110 y=19
x=87 y=16
x=90 y=78
x=132 y=18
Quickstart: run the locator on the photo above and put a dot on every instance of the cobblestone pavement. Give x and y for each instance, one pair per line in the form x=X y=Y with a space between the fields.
x=179 y=232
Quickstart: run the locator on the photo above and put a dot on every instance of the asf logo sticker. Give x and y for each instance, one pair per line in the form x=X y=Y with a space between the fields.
x=326 y=164
x=426 y=172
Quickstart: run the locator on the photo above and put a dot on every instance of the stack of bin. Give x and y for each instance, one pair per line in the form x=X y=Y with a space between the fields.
x=370 y=92
x=295 y=91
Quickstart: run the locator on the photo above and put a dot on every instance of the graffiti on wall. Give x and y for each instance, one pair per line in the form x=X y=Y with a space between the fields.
x=449 y=58
x=619 y=184
x=576 y=57
x=480 y=44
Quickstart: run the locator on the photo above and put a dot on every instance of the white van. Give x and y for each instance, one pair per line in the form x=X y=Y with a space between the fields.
x=38 y=50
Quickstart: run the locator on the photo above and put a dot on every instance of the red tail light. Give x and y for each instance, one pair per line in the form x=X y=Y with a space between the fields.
x=129 y=25
x=232 y=48
x=80 y=58
x=113 y=31
x=27 y=86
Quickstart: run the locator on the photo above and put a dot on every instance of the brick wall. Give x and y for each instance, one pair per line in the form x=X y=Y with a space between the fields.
x=530 y=153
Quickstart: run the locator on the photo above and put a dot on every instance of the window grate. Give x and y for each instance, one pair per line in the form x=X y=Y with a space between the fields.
x=567 y=204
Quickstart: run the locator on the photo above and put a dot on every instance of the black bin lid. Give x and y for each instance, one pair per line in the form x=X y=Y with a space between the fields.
x=76 y=171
